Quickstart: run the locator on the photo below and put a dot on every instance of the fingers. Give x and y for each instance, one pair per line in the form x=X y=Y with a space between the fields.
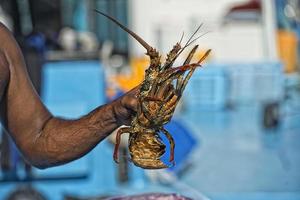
x=130 y=99
x=125 y=108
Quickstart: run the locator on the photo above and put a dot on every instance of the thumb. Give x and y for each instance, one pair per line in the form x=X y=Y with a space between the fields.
x=130 y=99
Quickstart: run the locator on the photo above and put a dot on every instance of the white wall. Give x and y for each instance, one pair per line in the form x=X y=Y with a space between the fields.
x=161 y=22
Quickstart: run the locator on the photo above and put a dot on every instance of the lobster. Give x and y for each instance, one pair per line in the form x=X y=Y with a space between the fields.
x=157 y=97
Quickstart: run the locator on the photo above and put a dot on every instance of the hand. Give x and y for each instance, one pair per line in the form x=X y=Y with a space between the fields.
x=126 y=106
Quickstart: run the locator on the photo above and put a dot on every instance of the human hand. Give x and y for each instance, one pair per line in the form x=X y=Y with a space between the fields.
x=125 y=107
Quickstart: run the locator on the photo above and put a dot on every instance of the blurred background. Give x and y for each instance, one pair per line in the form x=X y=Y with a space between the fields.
x=237 y=128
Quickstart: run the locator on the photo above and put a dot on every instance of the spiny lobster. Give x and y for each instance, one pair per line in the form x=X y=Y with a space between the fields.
x=157 y=99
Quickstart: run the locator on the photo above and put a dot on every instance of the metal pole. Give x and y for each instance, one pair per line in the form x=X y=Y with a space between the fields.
x=270 y=29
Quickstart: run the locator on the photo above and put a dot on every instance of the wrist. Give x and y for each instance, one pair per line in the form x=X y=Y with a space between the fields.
x=116 y=115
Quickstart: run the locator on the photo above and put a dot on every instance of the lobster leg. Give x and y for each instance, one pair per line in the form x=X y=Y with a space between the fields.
x=171 y=97
x=156 y=94
x=159 y=87
x=172 y=143
x=187 y=78
x=183 y=68
x=144 y=109
x=169 y=109
x=164 y=88
x=152 y=99
x=187 y=61
x=154 y=88
x=165 y=92
x=192 y=65
x=118 y=140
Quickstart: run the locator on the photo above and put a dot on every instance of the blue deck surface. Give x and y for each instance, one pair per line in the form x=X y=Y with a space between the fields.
x=234 y=157
x=238 y=159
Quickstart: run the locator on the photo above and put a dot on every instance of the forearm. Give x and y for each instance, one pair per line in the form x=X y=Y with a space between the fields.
x=43 y=139
x=60 y=141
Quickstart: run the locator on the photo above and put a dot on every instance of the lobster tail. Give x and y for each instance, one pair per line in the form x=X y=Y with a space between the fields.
x=134 y=35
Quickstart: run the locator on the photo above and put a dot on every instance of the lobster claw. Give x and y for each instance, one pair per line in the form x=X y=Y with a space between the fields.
x=116 y=159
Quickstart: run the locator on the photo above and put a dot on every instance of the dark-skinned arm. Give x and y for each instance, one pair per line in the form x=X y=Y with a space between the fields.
x=43 y=139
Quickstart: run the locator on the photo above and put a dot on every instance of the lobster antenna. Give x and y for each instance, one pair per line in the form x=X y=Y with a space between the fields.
x=134 y=35
x=186 y=44
x=189 y=40
x=188 y=66
x=181 y=37
x=197 y=38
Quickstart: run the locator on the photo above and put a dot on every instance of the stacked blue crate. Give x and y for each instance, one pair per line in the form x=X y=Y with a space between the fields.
x=252 y=83
x=207 y=89
x=241 y=87
x=70 y=90
x=215 y=86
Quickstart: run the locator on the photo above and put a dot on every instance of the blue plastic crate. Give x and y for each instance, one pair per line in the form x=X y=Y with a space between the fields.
x=215 y=86
x=207 y=89
x=255 y=82
x=72 y=89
